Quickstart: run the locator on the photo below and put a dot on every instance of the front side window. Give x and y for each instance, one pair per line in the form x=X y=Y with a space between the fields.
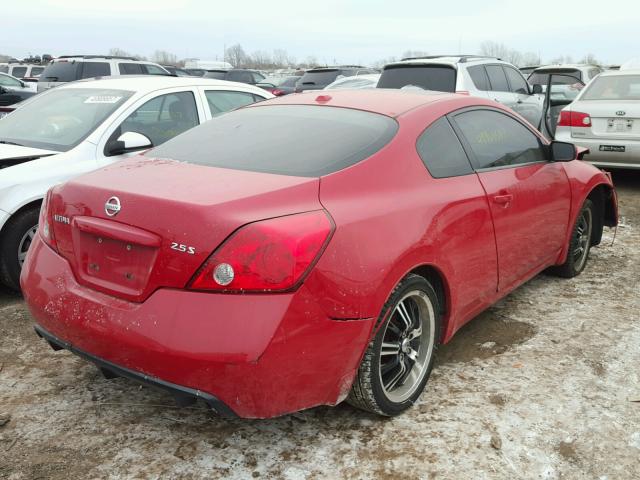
x=153 y=70
x=498 y=140
x=61 y=118
x=221 y=101
x=296 y=140
x=95 y=69
x=497 y=78
x=130 y=69
x=36 y=71
x=162 y=118
x=517 y=81
x=441 y=151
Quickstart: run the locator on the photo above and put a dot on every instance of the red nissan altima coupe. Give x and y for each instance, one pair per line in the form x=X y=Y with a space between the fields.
x=309 y=249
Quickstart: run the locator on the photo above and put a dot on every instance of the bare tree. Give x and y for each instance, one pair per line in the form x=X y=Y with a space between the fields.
x=235 y=55
x=260 y=59
x=164 y=58
x=562 y=59
x=118 y=52
x=384 y=61
x=282 y=59
x=414 y=53
x=500 y=50
x=591 y=59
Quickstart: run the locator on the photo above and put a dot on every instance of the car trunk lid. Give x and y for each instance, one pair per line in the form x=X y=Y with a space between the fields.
x=609 y=119
x=144 y=224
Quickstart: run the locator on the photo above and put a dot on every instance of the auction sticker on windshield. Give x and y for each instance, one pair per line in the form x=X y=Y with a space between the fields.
x=102 y=99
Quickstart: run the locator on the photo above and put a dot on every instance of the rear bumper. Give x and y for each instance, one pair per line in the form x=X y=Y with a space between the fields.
x=630 y=158
x=183 y=395
x=258 y=355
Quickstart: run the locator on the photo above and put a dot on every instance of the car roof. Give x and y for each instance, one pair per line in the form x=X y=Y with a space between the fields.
x=153 y=82
x=452 y=60
x=616 y=73
x=567 y=65
x=389 y=102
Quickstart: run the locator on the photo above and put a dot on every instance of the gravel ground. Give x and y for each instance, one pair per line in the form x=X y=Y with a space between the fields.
x=543 y=385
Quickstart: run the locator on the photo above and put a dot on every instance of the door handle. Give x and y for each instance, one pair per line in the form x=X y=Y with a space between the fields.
x=504 y=199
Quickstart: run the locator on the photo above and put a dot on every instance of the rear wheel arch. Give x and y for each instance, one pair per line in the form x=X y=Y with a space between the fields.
x=605 y=210
x=34 y=204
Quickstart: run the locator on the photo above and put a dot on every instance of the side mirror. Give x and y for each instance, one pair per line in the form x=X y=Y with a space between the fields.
x=537 y=89
x=563 y=152
x=128 y=142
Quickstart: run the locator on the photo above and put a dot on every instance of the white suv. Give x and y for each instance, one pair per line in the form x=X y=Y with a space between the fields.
x=70 y=68
x=475 y=75
x=85 y=125
x=28 y=71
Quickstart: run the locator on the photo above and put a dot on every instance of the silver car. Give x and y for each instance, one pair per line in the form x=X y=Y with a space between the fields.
x=605 y=118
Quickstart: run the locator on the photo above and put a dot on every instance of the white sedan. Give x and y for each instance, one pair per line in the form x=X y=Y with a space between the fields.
x=82 y=126
x=605 y=118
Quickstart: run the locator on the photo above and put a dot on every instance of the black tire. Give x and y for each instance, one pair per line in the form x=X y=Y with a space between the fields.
x=13 y=239
x=369 y=391
x=579 y=243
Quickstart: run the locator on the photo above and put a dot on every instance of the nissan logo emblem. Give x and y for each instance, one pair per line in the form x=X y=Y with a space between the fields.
x=621 y=113
x=112 y=207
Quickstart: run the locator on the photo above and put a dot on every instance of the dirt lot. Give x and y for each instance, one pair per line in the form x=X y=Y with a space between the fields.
x=545 y=385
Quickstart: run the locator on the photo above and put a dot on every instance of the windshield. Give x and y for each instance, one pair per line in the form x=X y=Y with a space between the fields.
x=319 y=77
x=297 y=140
x=60 y=72
x=428 y=77
x=618 y=87
x=61 y=118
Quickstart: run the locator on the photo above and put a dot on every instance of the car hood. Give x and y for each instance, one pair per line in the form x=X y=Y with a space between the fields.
x=14 y=154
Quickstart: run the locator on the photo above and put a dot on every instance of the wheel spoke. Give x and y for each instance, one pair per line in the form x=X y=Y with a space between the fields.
x=415 y=333
x=387 y=367
x=412 y=354
x=402 y=311
x=397 y=377
x=390 y=348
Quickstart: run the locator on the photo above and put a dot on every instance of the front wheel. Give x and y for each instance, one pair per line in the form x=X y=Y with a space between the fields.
x=579 y=243
x=398 y=362
x=18 y=234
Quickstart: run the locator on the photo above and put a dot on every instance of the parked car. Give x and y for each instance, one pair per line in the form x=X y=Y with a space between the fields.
x=605 y=118
x=266 y=273
x=178 y=72
x=583 y=72
x=318 y=78
x=475 y=75
x=81 y=126
x=75 y=67
x=279 y=85
x=359 y=82
x=196 y=72
x=23 y=71
x=241 y=75
x=13 y=90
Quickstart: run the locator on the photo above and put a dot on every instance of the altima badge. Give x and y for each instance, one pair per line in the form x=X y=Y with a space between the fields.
x=621 y=113
x=112 y=207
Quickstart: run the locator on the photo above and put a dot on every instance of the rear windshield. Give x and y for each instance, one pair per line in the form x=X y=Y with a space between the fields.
x=542 y=78
x=216 y=75
x=297 y=140
x=429 y=77
x=619 y=87
x=320 y=77
x=60 y=72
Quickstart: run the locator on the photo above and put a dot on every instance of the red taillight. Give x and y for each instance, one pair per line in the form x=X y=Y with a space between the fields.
x=45 y=226
x=266 y=256
x=277 y=92
x=574 y=119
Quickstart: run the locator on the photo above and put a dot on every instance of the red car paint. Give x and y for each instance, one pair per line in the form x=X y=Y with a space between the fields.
x=267 y=354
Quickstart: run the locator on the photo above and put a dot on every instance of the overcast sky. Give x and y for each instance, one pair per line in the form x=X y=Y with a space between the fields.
x=361 y=31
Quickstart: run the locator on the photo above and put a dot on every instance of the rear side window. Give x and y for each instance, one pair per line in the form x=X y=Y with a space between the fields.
x=95 y=69
x=60 y=72
x=497 y=140
x=35 y=71
x=497 y=78
x=517 y=82
x=297 y=140
x=4 y=69
x=441 y=151
x=130 y=69
x=221 y=102
x=479 y=77
x=429 y=77
x=542 y=78
x=239 y=76
x=19 y=72
x=216 y=75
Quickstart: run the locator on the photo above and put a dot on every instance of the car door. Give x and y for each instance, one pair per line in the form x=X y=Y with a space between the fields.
x=499 y=86
x=463 y=228
x=159 y=117
x=528 y=105
x=529 y=196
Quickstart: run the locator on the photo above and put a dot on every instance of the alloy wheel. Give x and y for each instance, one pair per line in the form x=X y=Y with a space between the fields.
x=25 y=243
